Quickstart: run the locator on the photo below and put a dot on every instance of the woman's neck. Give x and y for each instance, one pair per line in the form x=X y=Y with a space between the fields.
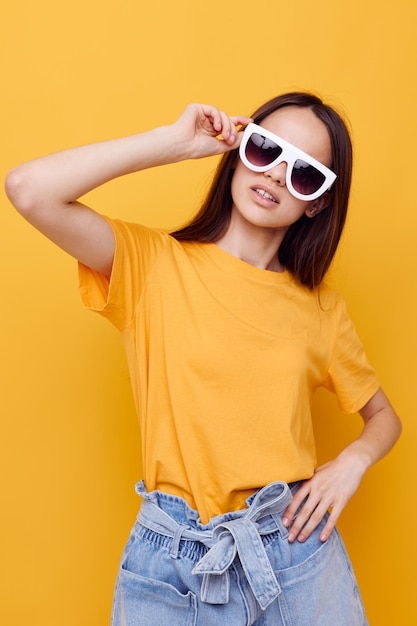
x=254 y=245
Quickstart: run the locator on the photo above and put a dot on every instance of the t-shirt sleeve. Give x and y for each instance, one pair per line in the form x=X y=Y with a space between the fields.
x=350 y=375
x=136 y=251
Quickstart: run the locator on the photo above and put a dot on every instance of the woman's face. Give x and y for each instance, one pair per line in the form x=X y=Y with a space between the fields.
x=261 y=199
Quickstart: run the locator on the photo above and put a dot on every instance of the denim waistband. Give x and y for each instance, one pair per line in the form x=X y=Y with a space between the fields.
x=230 y=535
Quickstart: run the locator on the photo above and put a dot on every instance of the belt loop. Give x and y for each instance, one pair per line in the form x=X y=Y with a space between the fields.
x=175 y=548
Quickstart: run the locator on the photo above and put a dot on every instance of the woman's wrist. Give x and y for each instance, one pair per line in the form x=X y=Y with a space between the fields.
x=160 y=146
x=163 y=145
x=357 y=455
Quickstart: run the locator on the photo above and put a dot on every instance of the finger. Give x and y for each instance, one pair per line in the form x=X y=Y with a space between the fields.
x=330 y=525
x=301 y=531
x=229 y=124
x=241 y=120
x=212 y=115
x=228 y=128
x=295 y=504
x=311 y=510
x=218 y=121
x=235 y=135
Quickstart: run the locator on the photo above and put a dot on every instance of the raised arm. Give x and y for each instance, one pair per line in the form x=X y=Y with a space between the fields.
x=46 y=191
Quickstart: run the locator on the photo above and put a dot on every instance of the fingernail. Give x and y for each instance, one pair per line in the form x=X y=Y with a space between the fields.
x=323 y=537
x=286 y=522
x=291 y=537
x=301 y=538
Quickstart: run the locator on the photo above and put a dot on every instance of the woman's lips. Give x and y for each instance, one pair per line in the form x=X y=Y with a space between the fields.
x=265 y=193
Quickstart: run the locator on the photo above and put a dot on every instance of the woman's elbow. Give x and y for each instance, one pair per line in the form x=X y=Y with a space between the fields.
x=19 y=190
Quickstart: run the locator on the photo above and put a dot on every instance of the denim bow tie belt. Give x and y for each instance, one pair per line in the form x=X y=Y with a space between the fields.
x=240 y=536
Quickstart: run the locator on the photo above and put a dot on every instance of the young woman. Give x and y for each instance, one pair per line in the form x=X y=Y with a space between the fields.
x=229 y=329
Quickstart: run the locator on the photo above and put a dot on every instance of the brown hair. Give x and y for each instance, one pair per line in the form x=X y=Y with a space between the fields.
x=309 y=244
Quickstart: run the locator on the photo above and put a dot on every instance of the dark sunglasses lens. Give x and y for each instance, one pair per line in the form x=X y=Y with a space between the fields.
x=305 y=178
x=261 y=151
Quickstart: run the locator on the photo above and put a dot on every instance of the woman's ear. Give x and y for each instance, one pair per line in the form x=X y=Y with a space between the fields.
x=318 y=205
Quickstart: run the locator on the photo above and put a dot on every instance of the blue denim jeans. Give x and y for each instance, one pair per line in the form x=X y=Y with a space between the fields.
x=237 y=570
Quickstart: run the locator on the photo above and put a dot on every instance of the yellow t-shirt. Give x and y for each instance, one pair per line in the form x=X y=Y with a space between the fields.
x=224 y=359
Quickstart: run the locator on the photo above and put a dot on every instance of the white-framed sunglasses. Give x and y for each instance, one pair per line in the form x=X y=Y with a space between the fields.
x=261 y=150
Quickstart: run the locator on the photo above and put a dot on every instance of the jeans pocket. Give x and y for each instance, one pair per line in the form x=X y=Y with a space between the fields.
x=150 y=591
x=142 y=601
x=322 y=589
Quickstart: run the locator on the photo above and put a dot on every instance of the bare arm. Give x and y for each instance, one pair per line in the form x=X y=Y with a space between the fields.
x=334 y=483
x=46 y=191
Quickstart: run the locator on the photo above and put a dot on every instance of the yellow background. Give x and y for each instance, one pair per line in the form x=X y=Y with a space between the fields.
x=87 y=70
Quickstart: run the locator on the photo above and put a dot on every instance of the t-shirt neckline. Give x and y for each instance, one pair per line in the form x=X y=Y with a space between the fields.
x=228 y=261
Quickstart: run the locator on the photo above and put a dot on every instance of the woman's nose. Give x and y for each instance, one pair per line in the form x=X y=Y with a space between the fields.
x=277 y=173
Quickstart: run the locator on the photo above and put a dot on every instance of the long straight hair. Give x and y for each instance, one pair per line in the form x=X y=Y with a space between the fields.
x=309 y=245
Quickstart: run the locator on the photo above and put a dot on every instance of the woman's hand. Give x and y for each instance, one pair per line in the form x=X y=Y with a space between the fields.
x=333 y=484
x=331 y=487
x=206 y=131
